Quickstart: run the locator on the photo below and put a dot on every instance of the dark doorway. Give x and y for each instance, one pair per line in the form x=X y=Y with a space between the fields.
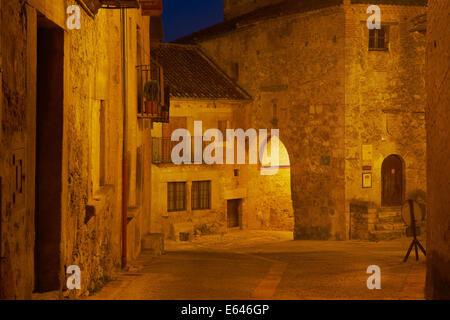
x=392 y=181
x=49 y=131
x=233 y=209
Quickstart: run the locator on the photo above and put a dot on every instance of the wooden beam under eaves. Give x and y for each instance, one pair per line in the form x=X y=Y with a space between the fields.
x=90 y=6
x=120 y=4
x=152 y=8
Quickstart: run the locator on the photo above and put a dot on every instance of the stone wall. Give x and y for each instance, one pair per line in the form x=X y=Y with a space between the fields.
x=94 y=242
x=313 y=77
x=385 y=101
x=224 y=184
x=269 y=190
x=17 y=228
x=91 y=188
x=438 y=118
x=293 y=67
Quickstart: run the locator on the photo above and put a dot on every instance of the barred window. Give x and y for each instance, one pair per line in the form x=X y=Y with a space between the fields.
x=201 y=195
x=176 y=196
x=378 y=39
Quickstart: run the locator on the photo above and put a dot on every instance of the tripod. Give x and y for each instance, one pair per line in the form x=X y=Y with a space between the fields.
x=415 y=243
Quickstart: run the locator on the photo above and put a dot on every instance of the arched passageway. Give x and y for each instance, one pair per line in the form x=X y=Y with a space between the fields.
x=271 y=189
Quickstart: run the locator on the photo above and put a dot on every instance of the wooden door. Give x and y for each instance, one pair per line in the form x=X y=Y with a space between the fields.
x=49 y=132
x=392 y=181
x=233 y=208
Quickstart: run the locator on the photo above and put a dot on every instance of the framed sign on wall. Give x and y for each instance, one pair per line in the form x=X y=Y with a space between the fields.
x=367 y=180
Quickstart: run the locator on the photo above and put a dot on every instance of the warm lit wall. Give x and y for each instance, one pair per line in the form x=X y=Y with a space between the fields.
x=92 y=73
x=311 y=76
x=224 y=184
x=438 y=119
x=269 y=191
x=385 y=103
x=293 y=67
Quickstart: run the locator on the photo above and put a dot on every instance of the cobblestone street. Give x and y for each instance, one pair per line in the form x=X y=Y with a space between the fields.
x=269 y=265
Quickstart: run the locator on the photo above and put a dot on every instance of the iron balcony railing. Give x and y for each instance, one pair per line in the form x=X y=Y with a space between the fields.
x=162 y=149
x=153 y=95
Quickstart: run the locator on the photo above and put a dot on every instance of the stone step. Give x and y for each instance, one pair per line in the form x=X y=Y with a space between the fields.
x=388 y=214
x=385 y=235
x=386 y=209
x=390 y=220
x=401 y=227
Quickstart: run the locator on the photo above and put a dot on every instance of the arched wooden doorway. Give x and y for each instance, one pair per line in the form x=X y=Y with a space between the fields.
x=392 y=181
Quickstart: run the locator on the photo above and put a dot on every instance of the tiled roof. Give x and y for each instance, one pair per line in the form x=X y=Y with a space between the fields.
x=287 y=7
x=191 y=74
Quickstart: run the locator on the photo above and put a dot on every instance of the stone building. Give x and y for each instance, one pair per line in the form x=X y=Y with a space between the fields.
x=201 y=198
x=349 y=103
x=68 y=108
x=438 y=148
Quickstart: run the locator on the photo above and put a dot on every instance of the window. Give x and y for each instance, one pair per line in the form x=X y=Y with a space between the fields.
x=201 y=195
x=176 y=196
x=378 y=39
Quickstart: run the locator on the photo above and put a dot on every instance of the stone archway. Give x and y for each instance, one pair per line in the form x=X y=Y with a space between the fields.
x=271 y=186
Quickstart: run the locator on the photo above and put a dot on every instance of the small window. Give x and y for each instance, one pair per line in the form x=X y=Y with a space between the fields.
x=176 y=196
x=378 y=39
x=201 y=195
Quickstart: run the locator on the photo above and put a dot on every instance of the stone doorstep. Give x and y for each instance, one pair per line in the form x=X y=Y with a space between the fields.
x=400 y=227
x=388 y=214
x=386 y=235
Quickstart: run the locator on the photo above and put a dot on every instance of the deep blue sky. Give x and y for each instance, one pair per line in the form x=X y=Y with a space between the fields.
x=182 y=17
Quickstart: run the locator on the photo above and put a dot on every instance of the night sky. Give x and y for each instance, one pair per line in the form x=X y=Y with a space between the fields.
x=182 y=17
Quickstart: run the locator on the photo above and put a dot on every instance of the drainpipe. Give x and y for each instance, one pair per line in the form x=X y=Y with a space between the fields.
x=125 y=141
x=1 y=242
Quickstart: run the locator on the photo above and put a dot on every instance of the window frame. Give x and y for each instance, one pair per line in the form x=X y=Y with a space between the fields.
x=375 y=37
x=203 y=194
x=173 y=200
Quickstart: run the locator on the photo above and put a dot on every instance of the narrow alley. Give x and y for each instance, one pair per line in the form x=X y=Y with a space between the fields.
x=224 y=150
